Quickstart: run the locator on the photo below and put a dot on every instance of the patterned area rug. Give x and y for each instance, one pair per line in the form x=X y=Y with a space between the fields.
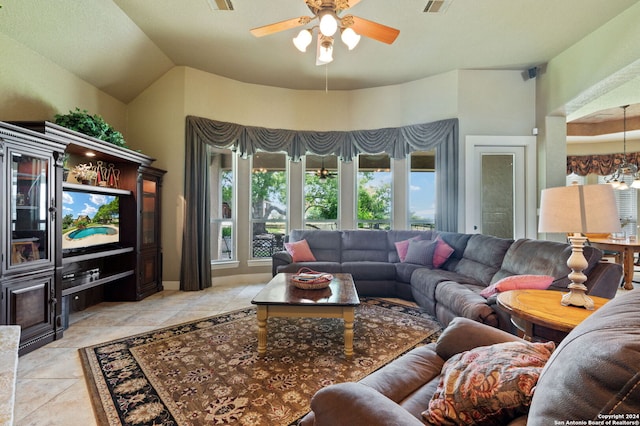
x=209 y=371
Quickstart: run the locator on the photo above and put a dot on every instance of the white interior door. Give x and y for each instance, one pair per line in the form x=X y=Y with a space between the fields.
x=499 y=201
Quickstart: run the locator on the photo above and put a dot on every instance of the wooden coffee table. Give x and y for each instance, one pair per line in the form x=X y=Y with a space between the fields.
x=538 y=314
x=280 y=298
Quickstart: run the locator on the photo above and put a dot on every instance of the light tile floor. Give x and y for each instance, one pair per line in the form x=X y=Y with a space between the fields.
x=51 y=389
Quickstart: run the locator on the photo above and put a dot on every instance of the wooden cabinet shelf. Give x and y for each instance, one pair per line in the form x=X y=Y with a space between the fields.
x=94 y=283
x=59 y=256
x=96 y=189
x=97 y=255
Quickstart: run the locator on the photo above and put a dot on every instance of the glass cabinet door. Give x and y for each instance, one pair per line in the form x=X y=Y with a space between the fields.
x=149 y=201
x=29 y=207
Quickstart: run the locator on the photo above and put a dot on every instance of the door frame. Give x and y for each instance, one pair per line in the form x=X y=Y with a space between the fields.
x=472 y=176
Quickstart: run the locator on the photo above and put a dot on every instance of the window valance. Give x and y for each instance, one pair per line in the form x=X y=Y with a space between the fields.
x=599 y=164
x=398 y=142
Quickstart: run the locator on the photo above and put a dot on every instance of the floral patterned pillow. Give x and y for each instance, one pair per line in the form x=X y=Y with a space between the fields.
x=489 y=385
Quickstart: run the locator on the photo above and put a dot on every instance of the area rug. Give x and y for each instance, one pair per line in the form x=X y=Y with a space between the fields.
x=209 y=372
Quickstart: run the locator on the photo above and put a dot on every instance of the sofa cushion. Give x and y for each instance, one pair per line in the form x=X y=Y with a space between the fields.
x=421 y=252
x=541 y=257
x=404 y=271
x=370 y=271
x=483 y=257
x=300 y=251
x=594 y=371
x=360 y=245
x=463 y=299
x=489 y=385
x=330 y=267
x=459 y=243
x=325 y=245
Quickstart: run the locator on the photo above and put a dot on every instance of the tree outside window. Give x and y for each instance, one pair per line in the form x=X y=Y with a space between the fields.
x=221 y=174
x=374 y=191
x=321 y=192
x=268 y=203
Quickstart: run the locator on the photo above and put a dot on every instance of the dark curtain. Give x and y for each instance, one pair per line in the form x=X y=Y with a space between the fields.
x=398 y=142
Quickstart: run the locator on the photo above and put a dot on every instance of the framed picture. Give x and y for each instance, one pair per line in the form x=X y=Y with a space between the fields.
x=24 y=251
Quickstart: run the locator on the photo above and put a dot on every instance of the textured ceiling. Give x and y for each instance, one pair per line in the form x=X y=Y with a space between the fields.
x=122 y=46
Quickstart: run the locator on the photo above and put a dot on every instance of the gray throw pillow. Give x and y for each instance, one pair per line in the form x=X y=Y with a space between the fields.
x=421 y=252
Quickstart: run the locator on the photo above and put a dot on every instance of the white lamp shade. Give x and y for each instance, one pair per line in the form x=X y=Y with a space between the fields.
x=303 y=40
x=350 y=38
x=328 y=24
x=324 y=53
x=579 y=209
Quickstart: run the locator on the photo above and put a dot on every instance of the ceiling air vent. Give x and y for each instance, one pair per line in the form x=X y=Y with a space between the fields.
x=437 y=6
x=220 y=4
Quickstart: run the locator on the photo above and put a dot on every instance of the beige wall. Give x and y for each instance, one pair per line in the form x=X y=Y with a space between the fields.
x=606 y=59
x=157 y=122
x=34 y=88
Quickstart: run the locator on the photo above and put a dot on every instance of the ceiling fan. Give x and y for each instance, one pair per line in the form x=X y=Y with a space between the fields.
x=326 y=12
x=323 y=173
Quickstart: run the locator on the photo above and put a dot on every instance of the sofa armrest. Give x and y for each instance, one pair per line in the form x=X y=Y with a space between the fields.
x=604 y=280
x=463 y=334
x=354 y=404
x=279 y=258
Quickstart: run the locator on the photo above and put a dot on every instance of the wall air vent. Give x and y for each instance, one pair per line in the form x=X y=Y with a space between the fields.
x=220 y=4
x=437 y=6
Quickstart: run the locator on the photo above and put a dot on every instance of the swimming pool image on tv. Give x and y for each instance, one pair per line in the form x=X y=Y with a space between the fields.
x=89 y=219
x=87 y=232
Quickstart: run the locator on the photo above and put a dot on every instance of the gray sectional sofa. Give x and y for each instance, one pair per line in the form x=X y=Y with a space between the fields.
x=453 y=290
x=592 y=377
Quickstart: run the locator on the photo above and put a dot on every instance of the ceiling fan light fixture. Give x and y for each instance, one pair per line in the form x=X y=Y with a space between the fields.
x=303 y=40
x=350 y=38
x=325 y=50
x=328 y=22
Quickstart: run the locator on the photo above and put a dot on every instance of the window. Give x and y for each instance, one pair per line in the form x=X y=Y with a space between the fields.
x=422 y=191
x=374 y=191
x=627 y=202
x=268 y=203
x=321 y=192
x=221 y=174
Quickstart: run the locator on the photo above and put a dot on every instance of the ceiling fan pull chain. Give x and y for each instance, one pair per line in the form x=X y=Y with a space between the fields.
x=326 y=78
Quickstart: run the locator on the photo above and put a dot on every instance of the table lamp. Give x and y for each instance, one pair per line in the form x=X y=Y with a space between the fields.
x=577 y=210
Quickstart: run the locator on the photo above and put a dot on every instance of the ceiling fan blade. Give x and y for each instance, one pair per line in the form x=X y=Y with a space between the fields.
x=374 y=30
x=346 y=4
x=280 y=26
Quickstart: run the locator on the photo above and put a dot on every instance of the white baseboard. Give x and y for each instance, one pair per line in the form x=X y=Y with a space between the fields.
x=243 y=279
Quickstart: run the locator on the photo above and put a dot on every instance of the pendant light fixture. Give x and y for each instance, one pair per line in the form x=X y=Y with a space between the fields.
x=624 y=168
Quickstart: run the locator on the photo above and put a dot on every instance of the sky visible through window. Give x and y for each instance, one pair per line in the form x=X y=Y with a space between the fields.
x=422 y=196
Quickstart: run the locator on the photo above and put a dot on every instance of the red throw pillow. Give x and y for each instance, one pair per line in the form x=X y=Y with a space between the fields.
x=442 y=253
x=300 y=251
x=516 y=282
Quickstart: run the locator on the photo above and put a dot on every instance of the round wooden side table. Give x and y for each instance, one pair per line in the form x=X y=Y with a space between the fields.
x=539 y=316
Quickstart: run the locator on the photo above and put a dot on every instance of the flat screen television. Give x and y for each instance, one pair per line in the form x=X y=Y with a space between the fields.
x=90 y=222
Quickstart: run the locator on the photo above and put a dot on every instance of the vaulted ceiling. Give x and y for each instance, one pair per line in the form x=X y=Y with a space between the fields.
x=122 y=46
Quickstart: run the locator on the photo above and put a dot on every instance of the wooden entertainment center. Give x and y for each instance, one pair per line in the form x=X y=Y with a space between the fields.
x=115 y=254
